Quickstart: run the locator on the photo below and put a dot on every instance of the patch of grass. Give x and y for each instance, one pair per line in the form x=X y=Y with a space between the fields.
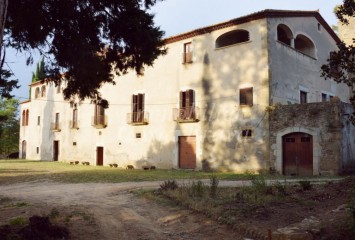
x=54 y=213
x=18 y=221
x=17 y=205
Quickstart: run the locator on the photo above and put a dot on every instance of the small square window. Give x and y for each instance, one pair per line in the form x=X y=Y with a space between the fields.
x=246 y=133
x=246 y=97
x=324 y=97
x=74 y=143
x=138 y=135
x=319 y=27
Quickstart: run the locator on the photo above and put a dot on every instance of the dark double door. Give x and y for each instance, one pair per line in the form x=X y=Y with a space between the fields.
x=297 y=154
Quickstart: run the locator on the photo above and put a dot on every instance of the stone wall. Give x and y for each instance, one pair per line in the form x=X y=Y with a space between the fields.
x=327 y=122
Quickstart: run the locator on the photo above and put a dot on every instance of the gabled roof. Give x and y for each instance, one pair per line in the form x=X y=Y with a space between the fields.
x=268 y=13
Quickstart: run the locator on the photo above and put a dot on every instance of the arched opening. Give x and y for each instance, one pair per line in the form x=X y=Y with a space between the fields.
x=37 y=93
x=284 y=34
x=23 y=147
x=305 y=45
x=43 y=91
x=23 y=118
x=231 y=38
x=297 y=151
x=26 y=118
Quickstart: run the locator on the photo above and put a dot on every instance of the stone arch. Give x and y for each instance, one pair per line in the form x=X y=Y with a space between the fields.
x=284 y=34
x=305 y=45
x=37 y=92
x=43 y=91
x=316 y=146
x=232 y=37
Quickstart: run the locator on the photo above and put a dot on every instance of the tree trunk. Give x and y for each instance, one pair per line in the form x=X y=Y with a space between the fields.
x=3 y=11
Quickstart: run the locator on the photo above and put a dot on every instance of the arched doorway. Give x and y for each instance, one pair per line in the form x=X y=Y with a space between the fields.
x=297 y=154
x=23 y=153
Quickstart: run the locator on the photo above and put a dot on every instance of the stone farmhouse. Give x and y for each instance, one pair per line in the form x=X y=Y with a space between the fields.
x=242 y=95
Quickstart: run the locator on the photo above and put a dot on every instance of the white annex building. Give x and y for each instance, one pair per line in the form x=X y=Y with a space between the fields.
x=209 y=103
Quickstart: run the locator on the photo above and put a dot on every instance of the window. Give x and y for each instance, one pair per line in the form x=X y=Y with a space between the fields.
x=319 y=26
x=137 y=108
x=23 y=118
x=56 y=123
x=37 y=150
x=246 y=97
x=27 y=116
x=75 y=119
x=59 y=87
x=187 y=54
x=303 y=97
x=74 y=143
x=231 y=38
x=324 y=97
x=187 y=110
x=138 y=135
x=38 y=120
x=284 y=34
x=305 y=45
x=99 y=120
x=37 y=92
x=43 y=91
x=246 y=133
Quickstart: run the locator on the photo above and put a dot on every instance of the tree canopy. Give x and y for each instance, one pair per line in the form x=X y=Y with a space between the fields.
x=85 y=41
x=341 y=63
x=9 y=126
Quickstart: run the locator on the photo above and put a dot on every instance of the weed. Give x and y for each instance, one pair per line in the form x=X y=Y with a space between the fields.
x=197 y=189
x=213 y=186
x=281 y=188
x=18 y=221
x=54 y=213
x=169 y=185
x=305 y=185
x=259 y=185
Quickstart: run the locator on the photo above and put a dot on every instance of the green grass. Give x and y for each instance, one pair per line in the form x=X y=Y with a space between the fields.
x=16 y=171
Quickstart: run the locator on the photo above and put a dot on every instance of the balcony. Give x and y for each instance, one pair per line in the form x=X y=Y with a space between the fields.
x=189 y=114
x=73 y=124
x=99 y=121
x=55 y=126
x=187 y=57
x=138 y=118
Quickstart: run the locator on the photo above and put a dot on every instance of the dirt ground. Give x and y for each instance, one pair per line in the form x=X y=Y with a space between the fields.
x=111 y=211
x=108 y=211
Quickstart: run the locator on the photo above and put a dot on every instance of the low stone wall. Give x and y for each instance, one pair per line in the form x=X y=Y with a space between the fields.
x=333 y=141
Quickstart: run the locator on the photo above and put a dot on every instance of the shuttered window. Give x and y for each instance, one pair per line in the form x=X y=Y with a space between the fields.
x=138 y=107
x=246 y=96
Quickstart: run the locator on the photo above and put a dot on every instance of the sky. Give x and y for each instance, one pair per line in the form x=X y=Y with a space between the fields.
x=179 y=16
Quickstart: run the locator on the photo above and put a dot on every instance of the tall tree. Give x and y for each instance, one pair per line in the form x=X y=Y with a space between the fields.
x=9 y=126
x=90 y=40
x=341 y=63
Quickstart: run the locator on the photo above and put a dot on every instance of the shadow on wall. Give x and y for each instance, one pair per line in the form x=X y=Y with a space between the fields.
x=46 y=144
x=224 y=72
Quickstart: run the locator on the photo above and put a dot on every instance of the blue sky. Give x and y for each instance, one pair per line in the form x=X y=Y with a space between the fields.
x=178 y=16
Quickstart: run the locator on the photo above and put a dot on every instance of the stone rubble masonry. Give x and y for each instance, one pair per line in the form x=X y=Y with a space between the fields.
x=334 y=144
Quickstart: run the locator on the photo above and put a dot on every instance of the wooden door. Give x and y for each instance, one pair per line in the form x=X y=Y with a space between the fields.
x=55 y=150
x=24 y=149
x=187 y=152
x=297 y=154
x=100 y=156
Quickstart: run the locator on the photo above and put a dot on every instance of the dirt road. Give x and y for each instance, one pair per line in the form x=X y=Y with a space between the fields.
x=117 y=214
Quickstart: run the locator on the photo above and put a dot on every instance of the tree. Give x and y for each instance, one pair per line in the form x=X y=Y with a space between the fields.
x=341 y=63
x=9 y=126
x=40 y=72
x=85 y=41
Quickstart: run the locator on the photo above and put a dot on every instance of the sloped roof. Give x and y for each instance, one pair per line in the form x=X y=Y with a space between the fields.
x=268 y=13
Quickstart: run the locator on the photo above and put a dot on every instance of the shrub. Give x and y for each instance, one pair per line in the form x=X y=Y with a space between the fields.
x=214 y=185
x=169 y=185
x=305 y=185
x=281 y=188
x=18 y=221
x=197 y=189
x=259 y=185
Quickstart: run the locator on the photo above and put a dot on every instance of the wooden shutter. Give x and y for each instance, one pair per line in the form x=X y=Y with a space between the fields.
x=134 y=107
x=27 y=116
x=249 y=96
x=140 y=107
x=246 y=96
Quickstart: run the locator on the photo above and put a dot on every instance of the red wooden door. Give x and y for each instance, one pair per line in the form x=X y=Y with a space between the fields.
x=100 y=156
x=187 y=152
x=297 y=154
x=55 y=150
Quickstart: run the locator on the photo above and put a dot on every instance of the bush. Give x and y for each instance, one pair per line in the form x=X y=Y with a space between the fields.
x=214 y=185
x=305 y=185
x=197 y=189
x=169 y=185
x=259 y=185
